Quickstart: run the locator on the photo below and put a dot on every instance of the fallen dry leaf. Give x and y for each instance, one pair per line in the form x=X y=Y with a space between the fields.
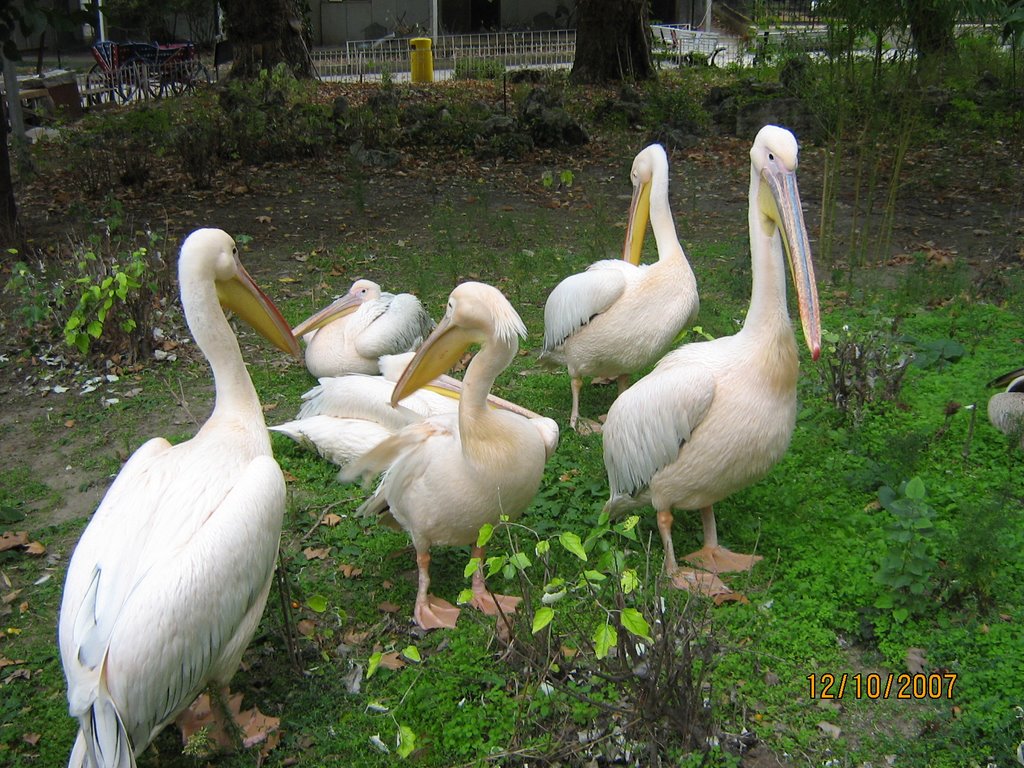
x=350 y=571
x=316 y=553
x=305 y=627
x=11 y=539
x=392 y=660
x=355 y=637
x=31 y=738
x=331 y=519
x=35 y=548
x=731 y=597
x=388 y=607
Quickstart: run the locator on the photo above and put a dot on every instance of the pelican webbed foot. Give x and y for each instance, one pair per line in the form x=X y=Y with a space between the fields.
x=435 y=613
x=586 y=426
x=698 y=582
x=216 y=723
x=720 y=560
x=490 y=603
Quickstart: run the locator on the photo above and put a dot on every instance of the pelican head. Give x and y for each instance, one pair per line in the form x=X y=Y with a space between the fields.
x=645 y=167
x=773 y=161
x=476 y=314
x=360 y=292
x=212 y=253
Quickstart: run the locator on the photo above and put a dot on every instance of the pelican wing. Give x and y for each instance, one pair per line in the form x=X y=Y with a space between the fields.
x=649 y=422
x=189 y=620
x=338 y=440
x=358 y=396
x=84 y=625
x=167 y=612
x=411 y=440
x=579 y=298
x=400 y=324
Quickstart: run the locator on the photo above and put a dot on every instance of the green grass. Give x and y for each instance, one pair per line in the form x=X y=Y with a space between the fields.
x=816 y=518
x=811 y=601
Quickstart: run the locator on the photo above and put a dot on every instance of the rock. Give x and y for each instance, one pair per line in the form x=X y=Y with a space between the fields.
x=548 y=122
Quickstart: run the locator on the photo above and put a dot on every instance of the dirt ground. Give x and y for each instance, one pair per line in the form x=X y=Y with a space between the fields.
x=956 y=207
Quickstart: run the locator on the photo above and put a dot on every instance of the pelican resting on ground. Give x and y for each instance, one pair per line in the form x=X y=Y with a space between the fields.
x=620 y=316
x=169 y=579
x=354 y=331
x=446 y=476
x=1006 y=409
x=715 y=416
x=344 y=417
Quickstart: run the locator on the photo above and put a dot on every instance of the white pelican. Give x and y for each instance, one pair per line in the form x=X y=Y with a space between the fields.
x=359 y=327
x=714 y=417
x=169 y=579
x=448 y=475
x=344 y=417
x=1006 y=409
x=620 y=316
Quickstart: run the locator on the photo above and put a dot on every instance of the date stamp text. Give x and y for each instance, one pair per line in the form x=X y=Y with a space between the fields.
x=937 y=685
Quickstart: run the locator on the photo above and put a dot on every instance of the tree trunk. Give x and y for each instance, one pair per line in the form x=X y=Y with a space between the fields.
x=931 y=26
x=9 y=229
x=265 y=33
x=613 y=41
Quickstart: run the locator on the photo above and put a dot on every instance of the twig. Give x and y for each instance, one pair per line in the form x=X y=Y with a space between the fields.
x=320 y=519
x=284 y=593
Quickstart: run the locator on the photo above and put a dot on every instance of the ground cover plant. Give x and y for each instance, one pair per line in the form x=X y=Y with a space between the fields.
x=891 y=531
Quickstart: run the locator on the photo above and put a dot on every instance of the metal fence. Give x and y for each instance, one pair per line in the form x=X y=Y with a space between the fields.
x=453 y=55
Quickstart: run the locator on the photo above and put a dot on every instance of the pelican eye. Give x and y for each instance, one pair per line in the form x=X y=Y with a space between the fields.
x=771 y=155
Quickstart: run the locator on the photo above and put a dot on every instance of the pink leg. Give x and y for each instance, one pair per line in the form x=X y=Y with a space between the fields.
x=685 y=578
x=715 y=558
x=431 y=612
x=491 y=604
x=581 y=425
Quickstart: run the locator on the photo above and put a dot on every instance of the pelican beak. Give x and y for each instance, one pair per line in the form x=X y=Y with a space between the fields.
x=636 y=227
x=1007 y=378
x=437 y=355
x=242 y=296
x=782 y=206
x=345 y=305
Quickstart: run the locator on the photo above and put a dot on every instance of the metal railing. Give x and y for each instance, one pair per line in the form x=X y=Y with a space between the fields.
x=680 y=45
x=452 y=55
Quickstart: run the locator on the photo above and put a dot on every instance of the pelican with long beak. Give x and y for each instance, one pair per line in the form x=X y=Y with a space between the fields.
x=713 y=417
x=620 y=316
x=168 y=581
x=448 y=475
x=1006 y=409
x=353 y=332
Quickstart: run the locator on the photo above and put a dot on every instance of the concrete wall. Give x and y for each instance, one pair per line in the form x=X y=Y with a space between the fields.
x=334 y=22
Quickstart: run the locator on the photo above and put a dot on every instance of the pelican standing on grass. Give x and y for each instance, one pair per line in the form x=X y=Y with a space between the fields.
x=619 y=315
x=169 y=579
x=360 y=327
x=448 y=475
x=714 y=417
x=1006 y=409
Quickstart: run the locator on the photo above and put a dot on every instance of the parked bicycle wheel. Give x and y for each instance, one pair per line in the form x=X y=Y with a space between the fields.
x=99 y=86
